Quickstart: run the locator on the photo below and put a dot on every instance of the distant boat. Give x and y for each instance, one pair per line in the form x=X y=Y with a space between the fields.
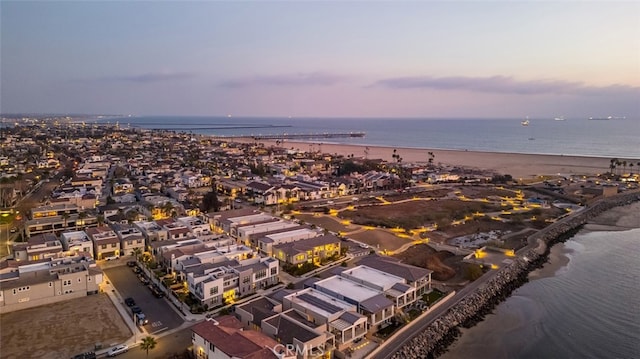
x=601 y=118
x=525 y=122
x=561 y=118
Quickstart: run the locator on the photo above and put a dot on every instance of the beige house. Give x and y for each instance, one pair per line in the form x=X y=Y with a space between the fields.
x=312 y=250
x=106 y=243
x=48 y=282
x=38 y=247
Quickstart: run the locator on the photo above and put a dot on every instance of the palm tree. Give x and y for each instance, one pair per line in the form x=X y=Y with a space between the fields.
x=148 y=343
x=167 y=207
x=137 y=252
x=612 y=165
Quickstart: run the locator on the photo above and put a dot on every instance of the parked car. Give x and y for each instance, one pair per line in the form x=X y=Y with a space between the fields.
x=143 y=279
x=135 y=309
x=157 y=292
x=111 y=258
x=140 y=319
x=136 y=270
x=118 y=349
x=129 y=302
x=131 y=263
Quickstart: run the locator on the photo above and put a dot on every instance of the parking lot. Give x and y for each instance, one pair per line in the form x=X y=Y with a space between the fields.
x=63 y=329
x=159 y=313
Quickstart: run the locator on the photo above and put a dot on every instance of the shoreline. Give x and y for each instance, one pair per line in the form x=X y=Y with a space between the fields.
x=438 y=336
x=518 y=165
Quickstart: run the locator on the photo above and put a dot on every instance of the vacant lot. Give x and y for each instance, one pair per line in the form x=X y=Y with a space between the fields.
x=63 y=329
x=380 y=239
x=329 y=223
x=415 y=214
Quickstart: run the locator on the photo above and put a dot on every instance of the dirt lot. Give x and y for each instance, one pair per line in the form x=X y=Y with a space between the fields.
x=415 y=214
x=63 y=329
x=380 y=239
x=330 y=223
x=446 y=266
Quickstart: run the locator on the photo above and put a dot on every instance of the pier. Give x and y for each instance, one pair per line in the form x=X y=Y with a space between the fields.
x=297 y=136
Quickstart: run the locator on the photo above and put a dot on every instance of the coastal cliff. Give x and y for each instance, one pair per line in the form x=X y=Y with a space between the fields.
x=434 y=341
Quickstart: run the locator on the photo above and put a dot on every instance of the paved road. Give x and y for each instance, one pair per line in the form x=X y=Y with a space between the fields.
x=168 y=347
x=159 y=311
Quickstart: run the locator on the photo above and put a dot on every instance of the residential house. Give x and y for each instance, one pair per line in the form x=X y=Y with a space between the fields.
x=106 y=243
x=38 y=247
x=313 y=250
x=224 y=338
x=77 y=242
x=131 y=239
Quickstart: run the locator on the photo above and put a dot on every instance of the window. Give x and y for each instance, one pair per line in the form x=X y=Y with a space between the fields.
x=113 y=245
x=274 y=271
x=50 y=284
x=261 y=274
x=104 y=246
x=213 y=291
x=66 y=282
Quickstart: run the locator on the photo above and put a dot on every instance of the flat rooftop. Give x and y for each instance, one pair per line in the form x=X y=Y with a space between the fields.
x=376 y=277
x=347 y=288
x=252 y=218
x=300 y=233
x=265 y=227
x=319 y=302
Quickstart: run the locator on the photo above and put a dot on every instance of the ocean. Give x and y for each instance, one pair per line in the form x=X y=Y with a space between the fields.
x=590 y=308
x=617 y=138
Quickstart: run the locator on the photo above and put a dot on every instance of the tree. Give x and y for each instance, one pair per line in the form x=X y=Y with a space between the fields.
x=210 y=200
x=137 y=252
x=148 y=343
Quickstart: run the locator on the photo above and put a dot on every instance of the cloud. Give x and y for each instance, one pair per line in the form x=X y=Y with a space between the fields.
x=300 y=79
x=502 y=84
x=151 y=77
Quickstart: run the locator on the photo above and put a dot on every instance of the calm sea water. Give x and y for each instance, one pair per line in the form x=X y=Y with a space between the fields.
x=614 y=138
x=589 y=309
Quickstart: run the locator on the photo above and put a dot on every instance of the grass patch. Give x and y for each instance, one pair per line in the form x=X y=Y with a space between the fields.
x=432 y=297
x=388 y=330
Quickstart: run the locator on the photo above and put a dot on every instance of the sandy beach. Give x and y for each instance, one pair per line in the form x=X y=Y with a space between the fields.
x=525 y=166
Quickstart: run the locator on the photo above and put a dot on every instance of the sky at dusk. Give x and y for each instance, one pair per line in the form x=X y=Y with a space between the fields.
x=322 y=58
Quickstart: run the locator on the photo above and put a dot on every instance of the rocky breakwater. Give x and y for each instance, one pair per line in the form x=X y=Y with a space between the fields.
x=434 y=340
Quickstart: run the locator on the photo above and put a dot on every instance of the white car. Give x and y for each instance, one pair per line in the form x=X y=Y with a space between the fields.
x=118 y=349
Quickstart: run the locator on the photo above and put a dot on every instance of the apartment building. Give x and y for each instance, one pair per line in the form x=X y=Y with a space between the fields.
x=47 y=282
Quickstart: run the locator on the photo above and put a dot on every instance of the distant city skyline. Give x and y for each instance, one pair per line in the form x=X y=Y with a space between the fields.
x=322 y=59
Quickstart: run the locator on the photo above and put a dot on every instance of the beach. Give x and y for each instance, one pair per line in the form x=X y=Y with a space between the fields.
x=524 y=166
